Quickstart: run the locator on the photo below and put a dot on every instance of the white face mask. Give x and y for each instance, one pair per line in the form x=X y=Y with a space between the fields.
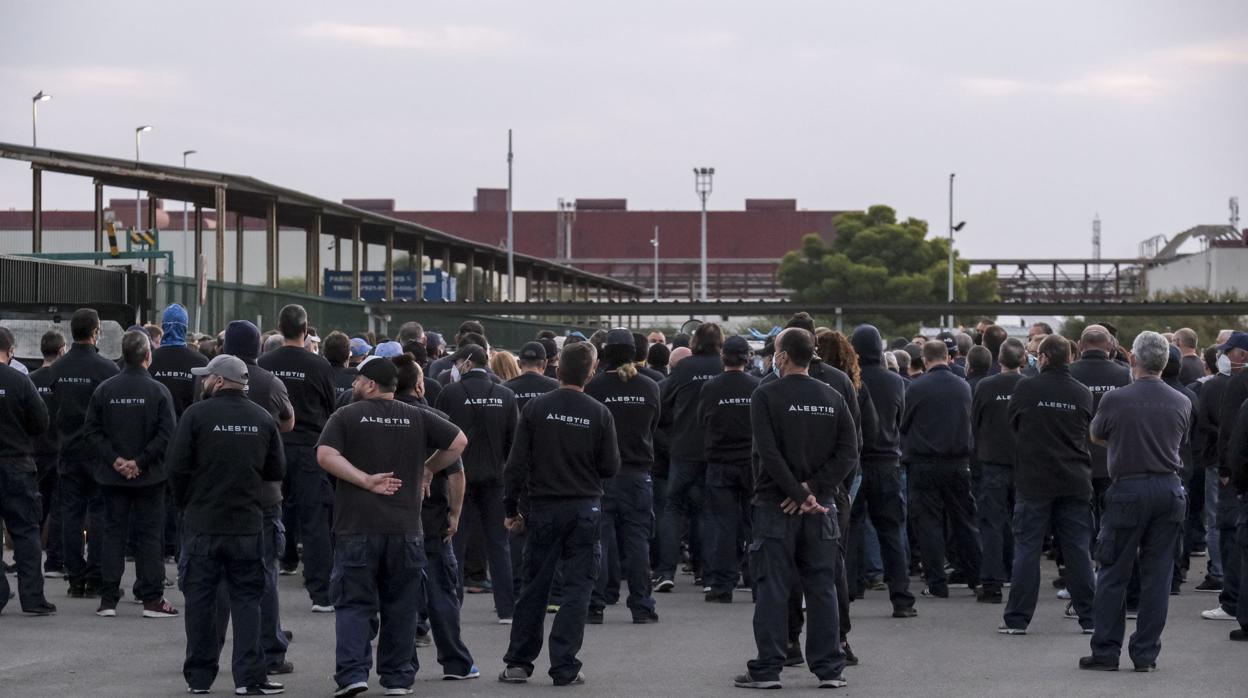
x=1224 y=365
x=455 y=373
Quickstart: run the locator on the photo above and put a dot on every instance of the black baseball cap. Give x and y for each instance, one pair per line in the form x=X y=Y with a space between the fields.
x=769 y=347
x=381 y=371
x=618 y=336
x=736 y=345
x=533 y=351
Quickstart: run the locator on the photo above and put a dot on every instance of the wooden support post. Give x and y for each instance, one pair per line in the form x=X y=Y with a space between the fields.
x=270 y=246
x=220 y=247
x=390 y=264
x=99 y=220
x=239 y=226
x=418 y=256
x=355 y=260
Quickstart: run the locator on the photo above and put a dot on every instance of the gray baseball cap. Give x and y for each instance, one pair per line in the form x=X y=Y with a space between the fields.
x=227 y=366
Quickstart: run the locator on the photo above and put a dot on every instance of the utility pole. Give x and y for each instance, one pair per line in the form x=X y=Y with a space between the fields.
x=511 y=242
x=702 y=177
x=655 y=242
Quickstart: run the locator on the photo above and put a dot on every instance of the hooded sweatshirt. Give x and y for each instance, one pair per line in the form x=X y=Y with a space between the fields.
x=172 y=361
x=888 y=395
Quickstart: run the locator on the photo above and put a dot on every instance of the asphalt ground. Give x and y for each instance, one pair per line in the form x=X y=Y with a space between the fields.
x=950 y=649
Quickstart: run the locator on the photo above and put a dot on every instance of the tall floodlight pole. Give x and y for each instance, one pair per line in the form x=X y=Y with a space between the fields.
x=511 y=242
x=950 y=299
x=186 y=245
x=702 y=184
x=138 y=209
x=34 y=115
x=655 y=242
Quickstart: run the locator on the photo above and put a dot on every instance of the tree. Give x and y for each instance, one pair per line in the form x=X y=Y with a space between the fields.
x=874 y=258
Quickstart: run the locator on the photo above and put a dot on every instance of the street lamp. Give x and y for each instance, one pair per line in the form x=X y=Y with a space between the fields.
x=952 y=229
x=34 y=116
x=186 y=250
x=138 y=212
x=655 y=242
x=702 y=184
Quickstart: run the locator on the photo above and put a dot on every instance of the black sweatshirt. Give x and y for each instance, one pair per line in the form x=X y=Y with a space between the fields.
x=1050 y=415
x=224 y=449
x=309 y=381
x=343 y=378
x=1208 y=417
x=634 y=406
x=1237 y=451
x=78 y=374
x=994 y=439
x=171 y=365
x=859 y=401
x=887 y=390
x=937 y=421
x=1095 y=370
x=486 y=413
x=1233 y=396
x=130 y=417
x=47 y=443
x=23 y=416
x=725 y=418
x=802 y=434
x=681 y=397
x=565 y=447
x=527 y=386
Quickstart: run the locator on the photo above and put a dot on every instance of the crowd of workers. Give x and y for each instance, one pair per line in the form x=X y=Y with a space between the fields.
x=401 y=473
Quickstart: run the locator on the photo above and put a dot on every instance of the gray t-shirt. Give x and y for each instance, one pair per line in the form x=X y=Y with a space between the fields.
x=1144 y=424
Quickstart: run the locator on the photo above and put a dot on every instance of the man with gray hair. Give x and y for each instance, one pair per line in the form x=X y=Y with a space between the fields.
x=1143 y=426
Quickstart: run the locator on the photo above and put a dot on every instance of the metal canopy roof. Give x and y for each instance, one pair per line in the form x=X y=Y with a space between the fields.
x=251 y=197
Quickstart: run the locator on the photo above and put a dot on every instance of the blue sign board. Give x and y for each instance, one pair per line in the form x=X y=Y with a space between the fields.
x=373 y=285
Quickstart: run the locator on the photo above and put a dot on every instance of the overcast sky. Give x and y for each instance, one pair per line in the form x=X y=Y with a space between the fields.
x=1048 y=112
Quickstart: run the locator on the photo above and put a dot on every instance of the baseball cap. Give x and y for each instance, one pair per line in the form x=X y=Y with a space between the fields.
x=533 y=351
x=227 y=366
x=359 y=347
x=769 y=347
x=618 y=336
x=381 y=371
x=386 y=350
x=736 y=345
x=1237 y=340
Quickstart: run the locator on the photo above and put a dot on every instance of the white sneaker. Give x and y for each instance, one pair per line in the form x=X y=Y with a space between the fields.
x=398 y=691
x=1216 y=614
x=1004 y=629
x=504 y=621
x=351 y=689
x=1063 y=594
x=322 y=609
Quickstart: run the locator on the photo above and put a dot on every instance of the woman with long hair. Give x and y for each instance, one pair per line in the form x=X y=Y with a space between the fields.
x=504 y=365
x=836 y=351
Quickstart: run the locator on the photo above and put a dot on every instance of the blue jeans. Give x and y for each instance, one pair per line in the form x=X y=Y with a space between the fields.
x=626 y=523
x=483 y=502
x=440 y=605
x=996 y=490
x=205 y=561
x=685 y=482
x=1071 y=519
x=788 y=548
x=143 y=510
x=1213 y=535
x=564 y=534
x=375 y=587
x=726 y=528
x=1143 y=518
x=314 y=500
x=20 y=510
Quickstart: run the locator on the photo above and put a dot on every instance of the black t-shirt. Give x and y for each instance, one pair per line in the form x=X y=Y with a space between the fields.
x=343 y=378
x=994 y=439
x=309 y=381
x=380 y=436
x=725 y=416
x=565 y=447
x=171 y=367
x=527 y=386
x=634 y=404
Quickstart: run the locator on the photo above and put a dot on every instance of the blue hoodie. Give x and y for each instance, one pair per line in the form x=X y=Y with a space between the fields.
x=173 y=324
